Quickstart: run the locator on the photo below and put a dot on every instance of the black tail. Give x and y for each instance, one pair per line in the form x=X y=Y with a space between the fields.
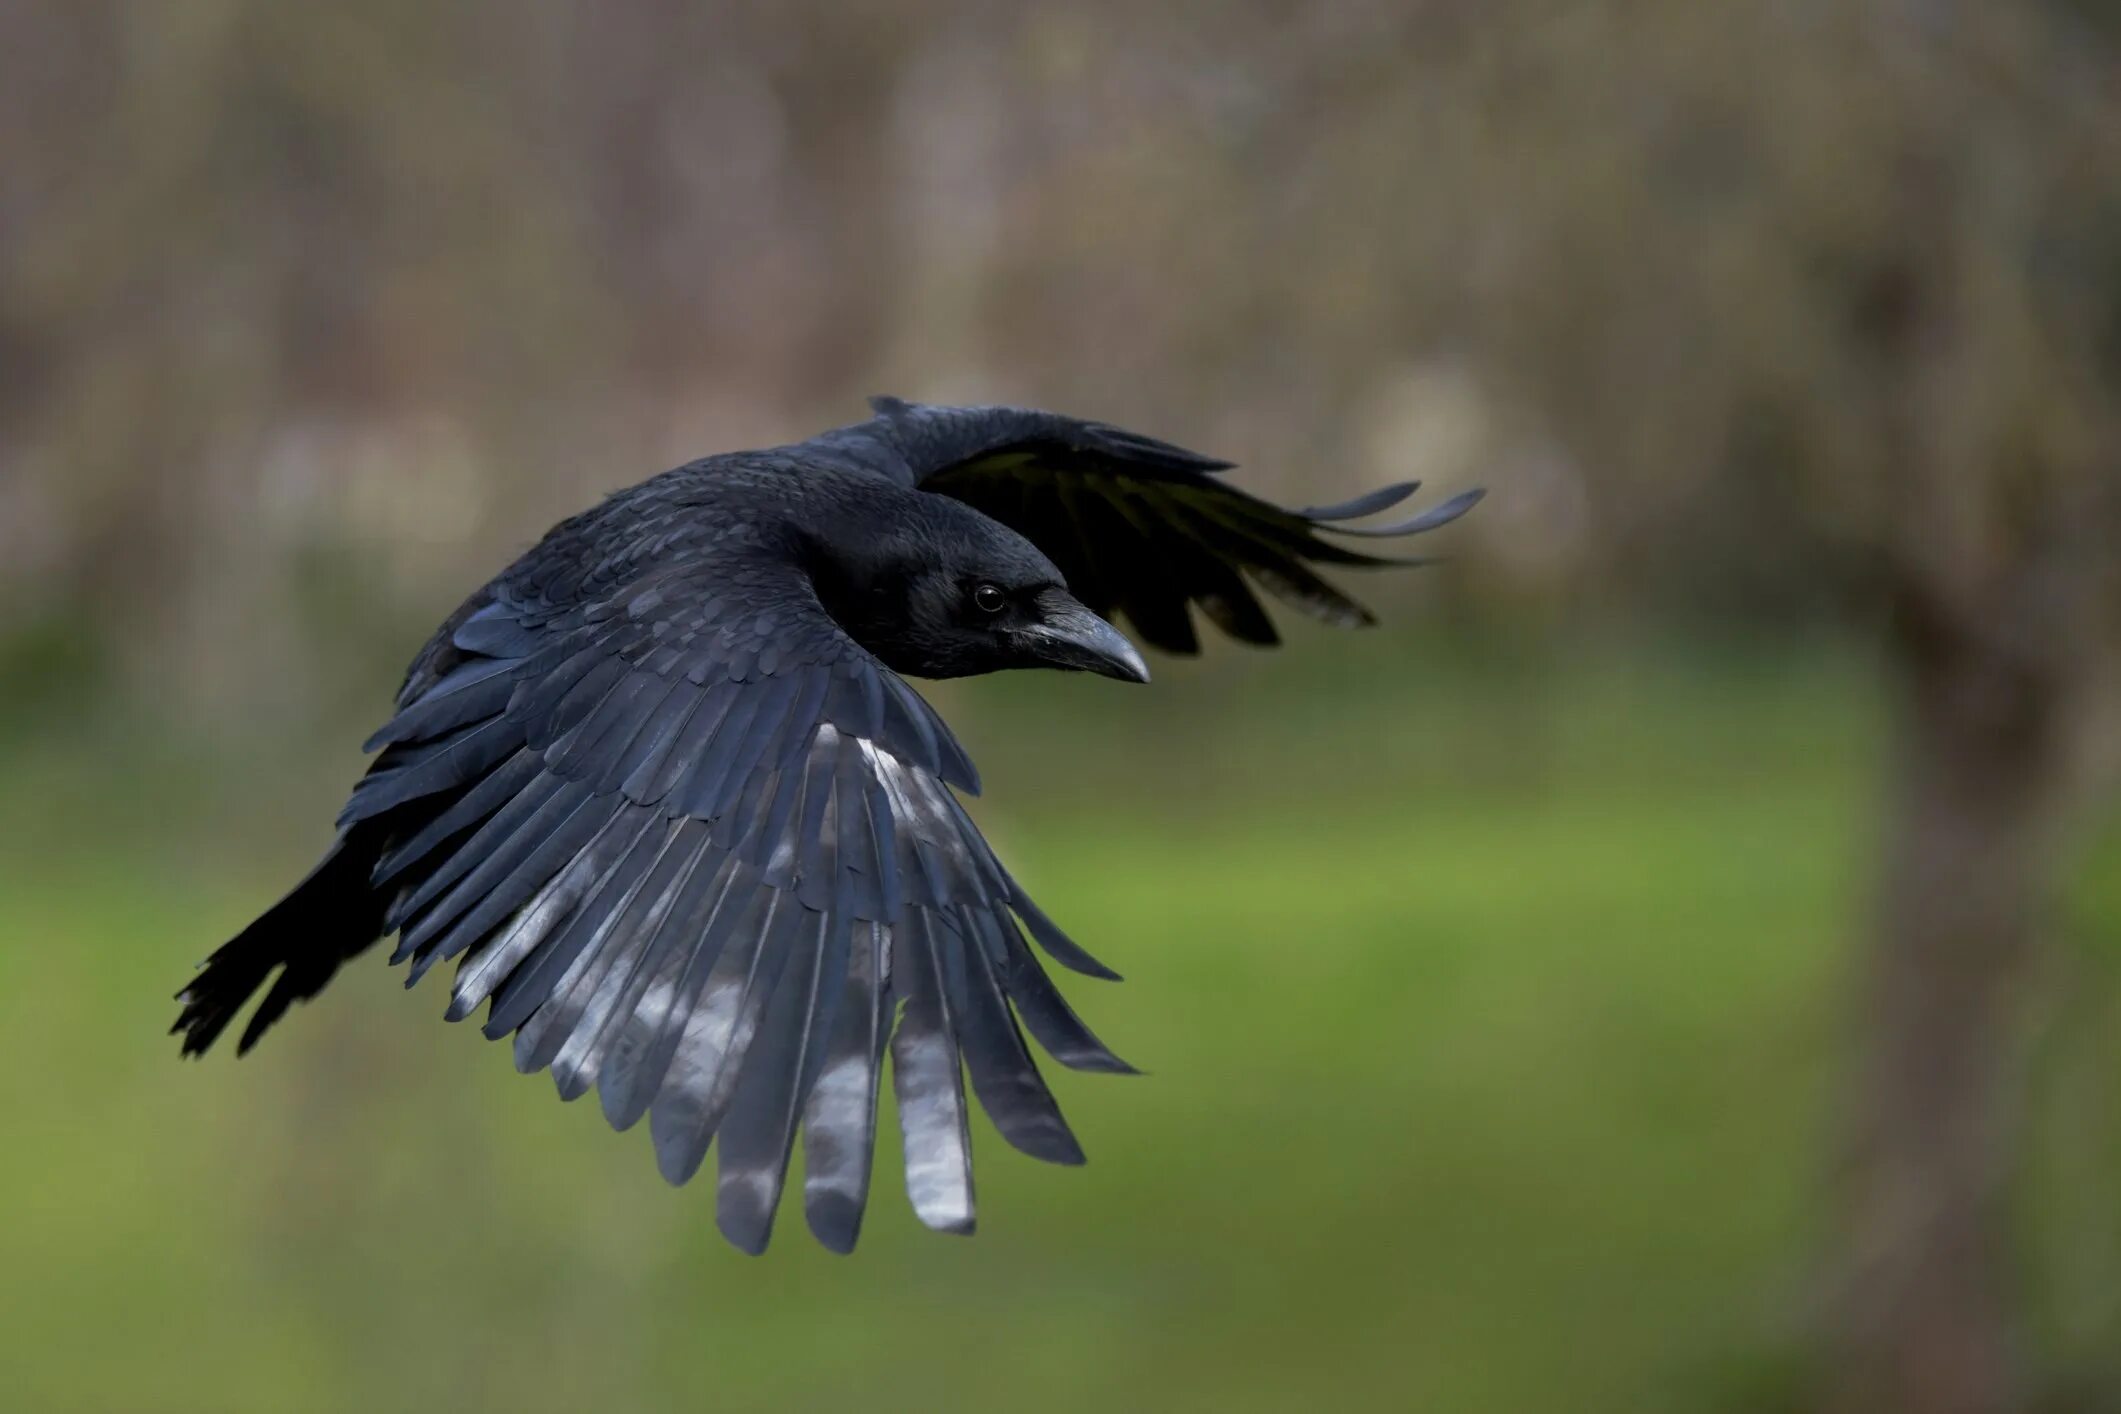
x=328 y=917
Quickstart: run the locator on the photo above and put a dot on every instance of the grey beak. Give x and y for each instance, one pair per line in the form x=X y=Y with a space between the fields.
x=1072 y=637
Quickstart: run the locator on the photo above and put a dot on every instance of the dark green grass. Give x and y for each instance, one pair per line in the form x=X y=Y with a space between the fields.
x=1491 y=1036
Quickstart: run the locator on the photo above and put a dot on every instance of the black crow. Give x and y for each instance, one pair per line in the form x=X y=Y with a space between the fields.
x=661 y=792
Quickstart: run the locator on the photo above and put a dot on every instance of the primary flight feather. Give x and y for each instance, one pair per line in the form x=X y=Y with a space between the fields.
x=661 y=792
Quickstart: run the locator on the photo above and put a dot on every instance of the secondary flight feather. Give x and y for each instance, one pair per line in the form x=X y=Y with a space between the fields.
x=661 y=793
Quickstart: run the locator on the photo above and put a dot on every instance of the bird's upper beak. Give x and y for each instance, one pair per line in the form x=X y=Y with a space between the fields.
x=1070 y=636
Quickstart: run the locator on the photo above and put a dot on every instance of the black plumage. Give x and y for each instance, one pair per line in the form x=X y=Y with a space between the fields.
x=662 y=795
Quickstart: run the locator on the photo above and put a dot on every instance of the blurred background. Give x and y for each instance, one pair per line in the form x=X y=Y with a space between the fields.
x=1674 y=964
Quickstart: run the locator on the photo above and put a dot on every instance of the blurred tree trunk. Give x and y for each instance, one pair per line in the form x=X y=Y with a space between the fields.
x=1928 y=1319
x=1987 y=547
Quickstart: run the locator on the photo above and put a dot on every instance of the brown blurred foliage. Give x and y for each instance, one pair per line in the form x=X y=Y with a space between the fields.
x=274 y=278
x=1761 y=313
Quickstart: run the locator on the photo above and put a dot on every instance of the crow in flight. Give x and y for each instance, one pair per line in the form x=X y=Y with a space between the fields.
x=663 y=795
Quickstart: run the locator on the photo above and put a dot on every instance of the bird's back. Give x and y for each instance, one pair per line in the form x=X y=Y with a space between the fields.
x=731 y=507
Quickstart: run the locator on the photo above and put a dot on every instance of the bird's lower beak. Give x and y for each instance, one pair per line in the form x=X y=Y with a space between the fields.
x=1070 y=636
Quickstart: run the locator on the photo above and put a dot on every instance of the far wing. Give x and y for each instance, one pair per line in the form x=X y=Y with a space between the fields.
x=1148 y=529
x=695 y=849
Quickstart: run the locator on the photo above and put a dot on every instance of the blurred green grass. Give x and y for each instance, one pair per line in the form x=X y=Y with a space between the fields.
x=1491 y=1014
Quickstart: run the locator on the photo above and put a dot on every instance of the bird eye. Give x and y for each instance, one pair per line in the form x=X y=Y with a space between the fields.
x=989 y=599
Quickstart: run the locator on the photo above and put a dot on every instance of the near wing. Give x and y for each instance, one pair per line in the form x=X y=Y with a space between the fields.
x=698 y=850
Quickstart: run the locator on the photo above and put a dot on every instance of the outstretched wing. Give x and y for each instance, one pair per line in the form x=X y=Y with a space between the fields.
x=697 y=850
x=1146 y=528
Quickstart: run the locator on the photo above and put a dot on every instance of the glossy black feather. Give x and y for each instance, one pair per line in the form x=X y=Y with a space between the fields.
x=496 y=631
x=1441 y=514
x=1004 y=1076
x=706 y=1048
x=514 y=827
x=619 y=858
x=839 y=1115
x=501 y=787
x=505 y=879
x=1367 y=504
x=477 y=690
x=716 y=902
x=927 y=1076
x=409 y=772
x=789 y=1052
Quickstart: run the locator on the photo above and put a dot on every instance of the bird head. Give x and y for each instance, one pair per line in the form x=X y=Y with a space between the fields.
x=951 y=593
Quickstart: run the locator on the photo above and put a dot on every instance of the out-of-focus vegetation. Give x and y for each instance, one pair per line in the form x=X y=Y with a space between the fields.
x=298 y=308
x=1492 y=1022
x=1484 y=1073
x=1671 y=967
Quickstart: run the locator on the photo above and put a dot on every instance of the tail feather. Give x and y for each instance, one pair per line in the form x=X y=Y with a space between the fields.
x=329 y=917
